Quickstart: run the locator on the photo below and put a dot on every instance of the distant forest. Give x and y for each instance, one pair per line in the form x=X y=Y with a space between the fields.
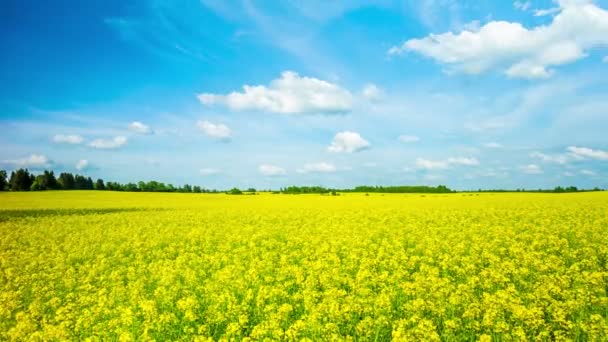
x=23 y=180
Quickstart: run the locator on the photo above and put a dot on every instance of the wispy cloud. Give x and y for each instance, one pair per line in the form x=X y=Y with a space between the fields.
x=271 y=170
x=317 y=168
x=114 y=143
x=68 y=139
x=140 y=128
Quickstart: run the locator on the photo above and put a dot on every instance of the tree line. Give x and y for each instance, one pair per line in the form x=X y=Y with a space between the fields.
x=23 y=180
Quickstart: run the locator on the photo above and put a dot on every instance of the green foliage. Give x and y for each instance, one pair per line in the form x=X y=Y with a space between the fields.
x=235 y=191
x=99 y=185
x=3 y=180
x=21 y=180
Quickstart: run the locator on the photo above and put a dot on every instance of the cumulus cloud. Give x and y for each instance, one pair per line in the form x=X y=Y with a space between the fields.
x=140 y=128
x=271 y=170
x=518 y=51
x=82 y=164
x=116 y=142
x=33 y=161
x=317 y=168
x=428 y=164
x=531 y=169
x=68 y=139
x=404 y=138
x=588 y=153
x=558 y=158
x=289 y=94
x=372 y=92
x=215 y=131
x=588 y=172
x=208 y=171
x=348 y=142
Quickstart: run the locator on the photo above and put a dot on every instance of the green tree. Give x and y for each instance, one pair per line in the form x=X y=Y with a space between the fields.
x=66 y=181
x=99 y=185
x=235 y=191
x=3 y=180
x=21 y=180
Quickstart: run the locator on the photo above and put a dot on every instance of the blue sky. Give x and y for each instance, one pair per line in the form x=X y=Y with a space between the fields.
x=471 y=94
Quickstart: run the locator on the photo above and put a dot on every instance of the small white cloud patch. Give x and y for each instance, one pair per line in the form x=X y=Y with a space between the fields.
x=68 y=139
x=82 y=164
x=428 y=164
x=348 y=142
x=492 y=145
x=588 y=153
x=531 y=169
x=208 y=171
x=317 y=168
x=116 y=142
x=215 y=131
x=588 y=173
x=372 y=92
x=271 y=170
x=140 y=128
x=404 y=138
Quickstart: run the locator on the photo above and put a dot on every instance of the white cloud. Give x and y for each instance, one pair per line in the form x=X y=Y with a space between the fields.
x=588 y=173
x=427 y=164
x=431 y=164
x=522 y=6
x=348 y=142
x=317 y=167
x=216 y=131
x=531 y=169
x=516 y=50
x=492 y=145
x=372 y=92
x=82 y=164
x=559 y=158
x=290 y=94
x=463 y=161
x=404 y=138
x=370 y=164
x=585 y=152
x=548 y=11
x=116 y=142
x=271 y=170
x=68 y=139
x=568 y=174
x=140 y=128
x=33 y=161
x=208 y=171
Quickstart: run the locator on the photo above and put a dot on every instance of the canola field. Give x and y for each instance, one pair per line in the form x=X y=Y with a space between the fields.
x=107 y=266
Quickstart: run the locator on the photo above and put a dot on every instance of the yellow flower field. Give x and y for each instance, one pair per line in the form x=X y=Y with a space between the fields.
x=105 y=266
